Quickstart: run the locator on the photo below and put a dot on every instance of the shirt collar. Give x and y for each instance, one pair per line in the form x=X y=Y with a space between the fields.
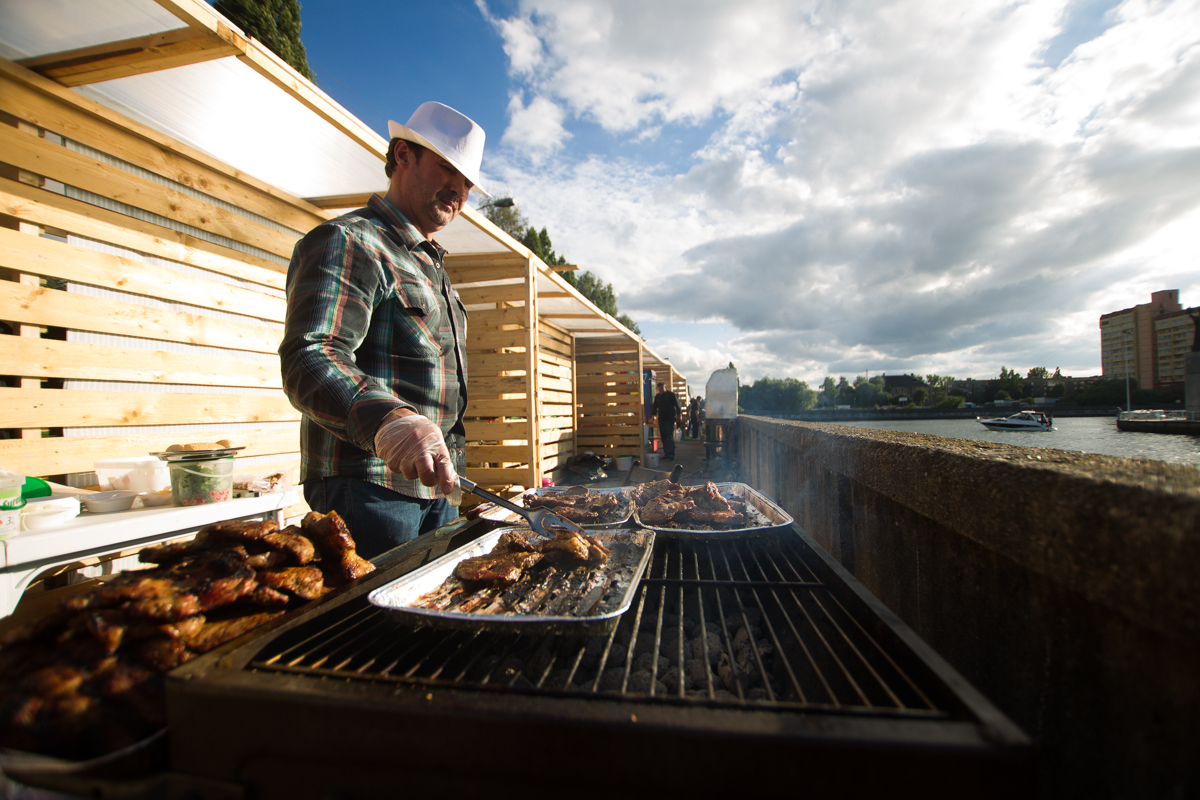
x=409 y=235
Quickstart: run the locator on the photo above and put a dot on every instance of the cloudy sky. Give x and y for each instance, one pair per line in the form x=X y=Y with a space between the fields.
x=823 y=188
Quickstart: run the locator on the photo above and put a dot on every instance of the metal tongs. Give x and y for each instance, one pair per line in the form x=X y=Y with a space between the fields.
x=538 y=518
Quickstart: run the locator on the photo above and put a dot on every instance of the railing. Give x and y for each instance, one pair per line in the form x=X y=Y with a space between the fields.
x=1062 y=585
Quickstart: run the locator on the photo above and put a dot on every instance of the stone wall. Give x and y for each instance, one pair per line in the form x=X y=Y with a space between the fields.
x=1065 y=586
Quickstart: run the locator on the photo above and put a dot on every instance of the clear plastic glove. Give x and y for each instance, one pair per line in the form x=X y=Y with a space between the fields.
x=413 y=446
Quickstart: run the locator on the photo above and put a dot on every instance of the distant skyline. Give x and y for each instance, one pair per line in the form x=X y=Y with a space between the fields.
x=811 y=189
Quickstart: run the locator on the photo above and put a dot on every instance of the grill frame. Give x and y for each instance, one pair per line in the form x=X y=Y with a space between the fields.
x=348 y=731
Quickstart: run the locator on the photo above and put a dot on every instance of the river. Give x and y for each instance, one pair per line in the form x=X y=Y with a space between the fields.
x=1084 y=434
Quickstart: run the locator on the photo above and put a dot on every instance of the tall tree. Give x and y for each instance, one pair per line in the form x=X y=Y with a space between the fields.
x=1038 y=372
x=275 y=23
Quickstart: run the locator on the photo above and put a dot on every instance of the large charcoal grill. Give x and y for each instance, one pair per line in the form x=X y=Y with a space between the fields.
x=819 y=687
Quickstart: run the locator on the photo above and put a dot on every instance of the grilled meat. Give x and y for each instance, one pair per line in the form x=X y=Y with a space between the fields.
x=86 y=677
x=646 y=492
x=306 y=583
x=505 y=568
x=339 y=561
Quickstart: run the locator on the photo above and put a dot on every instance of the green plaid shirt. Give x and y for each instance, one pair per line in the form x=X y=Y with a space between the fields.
x=372 y=325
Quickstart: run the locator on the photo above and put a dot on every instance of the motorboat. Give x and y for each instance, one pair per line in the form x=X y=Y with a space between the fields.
x=1021 y=421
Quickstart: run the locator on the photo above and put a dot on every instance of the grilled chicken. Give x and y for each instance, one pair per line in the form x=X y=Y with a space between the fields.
x=339 y=561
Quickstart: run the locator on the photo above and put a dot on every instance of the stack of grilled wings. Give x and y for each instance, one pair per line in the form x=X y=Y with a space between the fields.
x=581 y=505
x=87 y=678
x=666 y=503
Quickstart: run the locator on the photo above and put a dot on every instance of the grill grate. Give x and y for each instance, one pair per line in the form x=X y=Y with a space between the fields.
x=733 y=623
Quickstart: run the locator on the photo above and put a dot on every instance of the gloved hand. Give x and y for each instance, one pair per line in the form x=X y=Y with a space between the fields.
x=413 y=446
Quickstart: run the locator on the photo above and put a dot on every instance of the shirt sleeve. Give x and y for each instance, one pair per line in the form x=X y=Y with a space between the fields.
x=333 y=286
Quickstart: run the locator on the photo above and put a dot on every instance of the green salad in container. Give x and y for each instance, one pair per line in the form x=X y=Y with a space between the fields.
x=197 y=482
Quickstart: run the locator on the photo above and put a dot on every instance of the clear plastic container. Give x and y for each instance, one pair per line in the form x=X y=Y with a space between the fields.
x=139 y=474
x=194 y=482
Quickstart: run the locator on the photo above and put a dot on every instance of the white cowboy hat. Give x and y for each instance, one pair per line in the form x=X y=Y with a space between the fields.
x=453 y=136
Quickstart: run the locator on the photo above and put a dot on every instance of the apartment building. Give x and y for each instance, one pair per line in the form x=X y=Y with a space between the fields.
x=1147 y=342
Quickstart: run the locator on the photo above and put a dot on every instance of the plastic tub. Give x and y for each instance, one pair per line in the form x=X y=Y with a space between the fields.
x=201 y=481
x=104 y=502
x=49 y=513
x=624 y=463
x=652 y=460
x=137 y=475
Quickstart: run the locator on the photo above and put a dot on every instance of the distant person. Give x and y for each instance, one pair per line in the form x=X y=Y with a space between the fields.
x=666 y=407
x=694 y=416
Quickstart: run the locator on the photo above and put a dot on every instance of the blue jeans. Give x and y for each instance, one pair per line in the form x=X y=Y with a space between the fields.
x=378 y=518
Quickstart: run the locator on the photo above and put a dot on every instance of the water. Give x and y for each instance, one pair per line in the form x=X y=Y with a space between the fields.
x=1084 y=434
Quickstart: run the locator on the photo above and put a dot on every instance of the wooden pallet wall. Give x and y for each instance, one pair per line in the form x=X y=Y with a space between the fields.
x=141 y=290
x=609 y=391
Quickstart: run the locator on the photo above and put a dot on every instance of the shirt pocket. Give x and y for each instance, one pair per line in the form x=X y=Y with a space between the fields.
x=417 y=318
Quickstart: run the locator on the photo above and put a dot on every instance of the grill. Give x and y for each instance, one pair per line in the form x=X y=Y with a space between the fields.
x=809 y=680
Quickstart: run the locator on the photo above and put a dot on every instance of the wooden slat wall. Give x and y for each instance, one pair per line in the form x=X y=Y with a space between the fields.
x=556 y=398
x=194 y=319
x=501 y=434
x=609 y=392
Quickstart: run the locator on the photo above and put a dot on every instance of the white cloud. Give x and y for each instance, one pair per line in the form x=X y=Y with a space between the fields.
x=899 y=186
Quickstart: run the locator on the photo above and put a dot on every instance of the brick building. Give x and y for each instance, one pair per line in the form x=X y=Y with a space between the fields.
x=1147 y=342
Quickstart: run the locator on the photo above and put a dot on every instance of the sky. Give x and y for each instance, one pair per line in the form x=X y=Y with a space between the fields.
x=809 y=188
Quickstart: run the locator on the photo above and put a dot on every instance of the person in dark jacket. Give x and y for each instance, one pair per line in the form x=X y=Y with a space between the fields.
x=666 y=407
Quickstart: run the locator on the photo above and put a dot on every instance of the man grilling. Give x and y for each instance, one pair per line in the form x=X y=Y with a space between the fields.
x=374 y=343
x=666 y=408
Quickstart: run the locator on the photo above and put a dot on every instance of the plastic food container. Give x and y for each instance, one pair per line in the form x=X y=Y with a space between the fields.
x=49 y=513
x=201 y=481
x=652 y=460
x=10 y=516
x=624 y=463
x=137 y=475
x=104 y=502
x=163 y=498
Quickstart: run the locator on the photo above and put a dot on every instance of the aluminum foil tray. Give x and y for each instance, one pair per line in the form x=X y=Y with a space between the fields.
x=767 y=517
x=600 y=594
x=620 y=518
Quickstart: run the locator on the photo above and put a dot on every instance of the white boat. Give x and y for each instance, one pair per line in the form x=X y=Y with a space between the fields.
x=1021 y=421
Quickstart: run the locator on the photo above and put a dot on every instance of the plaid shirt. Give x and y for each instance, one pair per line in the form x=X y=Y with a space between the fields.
x=372 y=325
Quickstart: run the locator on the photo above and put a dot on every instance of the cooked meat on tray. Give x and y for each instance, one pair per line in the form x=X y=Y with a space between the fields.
x=666 y=503
x=517 y=575
x=86 y=679
x=582 y=505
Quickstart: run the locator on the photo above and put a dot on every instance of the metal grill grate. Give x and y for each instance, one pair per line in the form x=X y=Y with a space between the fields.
x=746 y=623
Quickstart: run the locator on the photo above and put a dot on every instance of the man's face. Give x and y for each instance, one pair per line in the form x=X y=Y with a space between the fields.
x=428 y=190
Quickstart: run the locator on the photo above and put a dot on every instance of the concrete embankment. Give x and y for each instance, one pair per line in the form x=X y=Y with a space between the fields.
x=856 y=415
x=1061 y=584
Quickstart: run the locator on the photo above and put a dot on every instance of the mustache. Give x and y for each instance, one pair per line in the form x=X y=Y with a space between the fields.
x=449 y=198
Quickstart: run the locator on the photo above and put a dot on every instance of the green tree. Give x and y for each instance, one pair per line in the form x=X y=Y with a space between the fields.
x=1038 y=372
x=508 y=219
x=919 y=397
x=951 y=401
x=274 y=23
x=777 y=396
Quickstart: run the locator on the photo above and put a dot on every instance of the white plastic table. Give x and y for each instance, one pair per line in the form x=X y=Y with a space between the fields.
x=29 y=553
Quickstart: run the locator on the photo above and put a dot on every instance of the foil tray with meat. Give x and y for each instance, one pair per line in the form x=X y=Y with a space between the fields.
x=592 y=508
x=486 y=586
x=708 y=511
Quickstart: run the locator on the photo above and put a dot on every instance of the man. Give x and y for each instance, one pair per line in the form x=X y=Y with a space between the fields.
x=694 y=416
x=373 y=350
x=666 y=407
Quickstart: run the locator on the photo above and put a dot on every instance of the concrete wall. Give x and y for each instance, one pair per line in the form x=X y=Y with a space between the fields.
x=1065 y=586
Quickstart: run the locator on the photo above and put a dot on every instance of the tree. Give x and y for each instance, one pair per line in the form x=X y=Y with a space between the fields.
x=508 y=219
x=773 y=396
x=274 y=23
x=919 y=397
x=1038 y=372
x=951 y=401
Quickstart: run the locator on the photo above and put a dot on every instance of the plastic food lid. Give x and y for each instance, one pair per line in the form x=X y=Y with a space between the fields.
x=35 y=487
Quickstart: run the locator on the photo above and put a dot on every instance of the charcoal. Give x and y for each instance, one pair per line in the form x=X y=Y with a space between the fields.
x=610 y=681
x=697 y=673
x=640 y=683
x=643 y=662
